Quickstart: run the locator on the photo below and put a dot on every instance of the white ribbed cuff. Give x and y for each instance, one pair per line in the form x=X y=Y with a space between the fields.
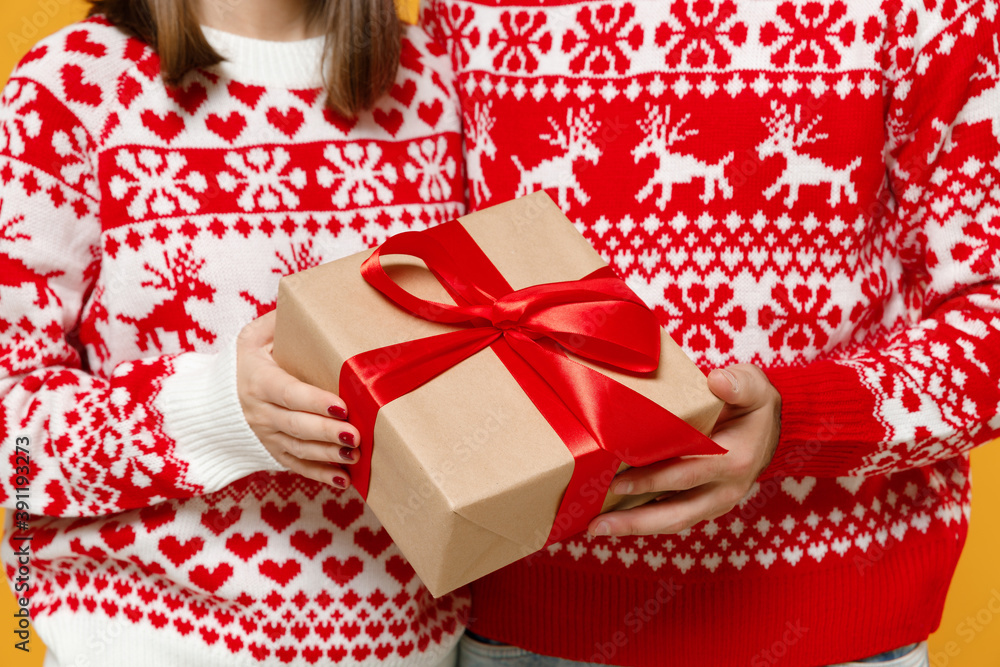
x=202 y=413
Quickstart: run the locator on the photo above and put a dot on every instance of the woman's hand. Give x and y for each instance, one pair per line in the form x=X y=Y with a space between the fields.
x=705 y=487
x=302 y=426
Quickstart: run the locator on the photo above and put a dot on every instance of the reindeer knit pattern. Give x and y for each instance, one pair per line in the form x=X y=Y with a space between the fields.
x=812 y=186
x=143 y=227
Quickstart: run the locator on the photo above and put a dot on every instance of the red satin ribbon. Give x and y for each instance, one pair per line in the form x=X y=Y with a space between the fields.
x=598 y=318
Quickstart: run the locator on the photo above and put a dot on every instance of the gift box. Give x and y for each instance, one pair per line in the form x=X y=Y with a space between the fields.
x=500 y=376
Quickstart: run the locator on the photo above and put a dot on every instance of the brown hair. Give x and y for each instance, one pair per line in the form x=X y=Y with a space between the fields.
x=361 y=54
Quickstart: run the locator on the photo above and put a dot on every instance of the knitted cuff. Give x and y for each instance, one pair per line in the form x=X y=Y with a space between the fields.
x=202 y=412
x=827 y=421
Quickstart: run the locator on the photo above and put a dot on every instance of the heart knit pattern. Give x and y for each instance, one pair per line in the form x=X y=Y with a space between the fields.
x=141 y=227
x=812 y=186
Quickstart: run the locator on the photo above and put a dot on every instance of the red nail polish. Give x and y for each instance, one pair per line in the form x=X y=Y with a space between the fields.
x=347 y=454
x=347 y=438
x=337 y=411
x=340 y=482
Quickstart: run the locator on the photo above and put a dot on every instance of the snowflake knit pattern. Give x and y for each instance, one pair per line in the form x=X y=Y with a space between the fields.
x=142 y=228
x=810 y=186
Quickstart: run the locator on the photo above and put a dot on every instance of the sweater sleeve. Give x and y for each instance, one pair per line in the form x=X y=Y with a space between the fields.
x=925 y=391
x=88 y=443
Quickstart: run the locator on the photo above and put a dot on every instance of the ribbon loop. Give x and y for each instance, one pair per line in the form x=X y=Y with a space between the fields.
x=440 y=263
x=591 y=317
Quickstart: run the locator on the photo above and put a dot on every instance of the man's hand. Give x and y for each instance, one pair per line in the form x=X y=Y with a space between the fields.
x=699 y=488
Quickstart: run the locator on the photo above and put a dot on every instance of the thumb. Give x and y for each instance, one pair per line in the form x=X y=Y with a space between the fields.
x=260 y=332
x=742 y=385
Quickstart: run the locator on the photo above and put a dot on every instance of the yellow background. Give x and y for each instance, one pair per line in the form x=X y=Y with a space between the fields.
x=957 y=643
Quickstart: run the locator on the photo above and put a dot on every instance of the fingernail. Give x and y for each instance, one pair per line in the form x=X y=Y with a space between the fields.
x=347 y=438
x=347 y=454
x=602 y=528
x=624 y=488
x=337 y=411
x=340 y=482
x=732 y=379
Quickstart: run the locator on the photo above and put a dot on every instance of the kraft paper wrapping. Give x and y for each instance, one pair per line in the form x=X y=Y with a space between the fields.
x=467 y=475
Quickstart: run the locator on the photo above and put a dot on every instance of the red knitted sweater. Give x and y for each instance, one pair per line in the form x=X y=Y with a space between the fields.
x=813 y=187
x=141 y=228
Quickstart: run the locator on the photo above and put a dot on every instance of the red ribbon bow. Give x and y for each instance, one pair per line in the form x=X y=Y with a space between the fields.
x=601 y=421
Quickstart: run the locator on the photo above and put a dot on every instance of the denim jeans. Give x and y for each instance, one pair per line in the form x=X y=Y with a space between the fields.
x=475 y=653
